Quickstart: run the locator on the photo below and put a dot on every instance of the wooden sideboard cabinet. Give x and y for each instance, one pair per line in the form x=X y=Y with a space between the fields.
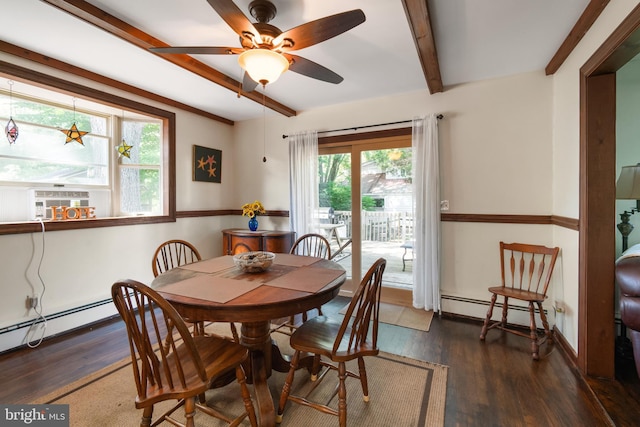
x=238 y=240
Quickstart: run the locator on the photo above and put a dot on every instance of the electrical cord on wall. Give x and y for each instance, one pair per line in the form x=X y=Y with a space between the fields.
x=41 y=319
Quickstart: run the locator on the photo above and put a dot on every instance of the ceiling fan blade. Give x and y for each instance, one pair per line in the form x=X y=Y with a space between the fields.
x=199 y=50
x=311 y=69
x=322 y=29
x=233 y=16
x=248 y=84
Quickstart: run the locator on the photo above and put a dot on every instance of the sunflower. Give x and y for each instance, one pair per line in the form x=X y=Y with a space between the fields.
x=252 y=210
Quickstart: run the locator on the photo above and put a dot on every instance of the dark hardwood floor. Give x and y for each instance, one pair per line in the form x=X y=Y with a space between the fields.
x=492 y=383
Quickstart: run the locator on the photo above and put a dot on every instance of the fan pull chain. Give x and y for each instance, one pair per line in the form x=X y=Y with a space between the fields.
x=264 y=128
x=10 y=98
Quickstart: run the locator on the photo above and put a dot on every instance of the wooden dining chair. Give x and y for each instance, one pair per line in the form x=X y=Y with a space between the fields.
x=186 y=369
x=172 y=254
x=314 y=245
x=354 y=337
x=341 y=252
x=526 y=274
x=175 y=253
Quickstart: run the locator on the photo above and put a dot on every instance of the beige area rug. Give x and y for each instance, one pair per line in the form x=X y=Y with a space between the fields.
x=404 y=392
x=399 y=315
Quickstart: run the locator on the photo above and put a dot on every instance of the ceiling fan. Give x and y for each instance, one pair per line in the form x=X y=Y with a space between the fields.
x=264 y=54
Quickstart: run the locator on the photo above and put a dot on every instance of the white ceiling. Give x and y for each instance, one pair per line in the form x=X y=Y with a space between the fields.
x=475 y=40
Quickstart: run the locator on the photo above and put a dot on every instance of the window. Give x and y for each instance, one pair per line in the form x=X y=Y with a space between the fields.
x=40 y=154
x=139 y=174
x=45 y=164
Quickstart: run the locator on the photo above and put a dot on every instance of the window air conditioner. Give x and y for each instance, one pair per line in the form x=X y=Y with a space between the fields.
x=41 y=200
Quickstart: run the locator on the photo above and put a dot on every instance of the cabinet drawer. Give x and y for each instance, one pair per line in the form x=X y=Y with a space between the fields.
x=238 y=241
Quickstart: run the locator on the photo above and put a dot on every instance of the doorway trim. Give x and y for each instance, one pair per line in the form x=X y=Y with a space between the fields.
x=596 y=280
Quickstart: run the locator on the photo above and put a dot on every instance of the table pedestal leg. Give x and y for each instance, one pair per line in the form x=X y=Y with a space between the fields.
x=264 y=355
x=256 y=337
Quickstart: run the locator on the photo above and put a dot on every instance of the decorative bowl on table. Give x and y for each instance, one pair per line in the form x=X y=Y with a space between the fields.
x=254 y=262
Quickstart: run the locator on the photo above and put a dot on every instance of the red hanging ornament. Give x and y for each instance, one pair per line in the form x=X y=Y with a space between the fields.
x=11 y=130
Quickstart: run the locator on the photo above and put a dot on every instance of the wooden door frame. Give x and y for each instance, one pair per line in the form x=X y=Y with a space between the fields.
x=596 y=318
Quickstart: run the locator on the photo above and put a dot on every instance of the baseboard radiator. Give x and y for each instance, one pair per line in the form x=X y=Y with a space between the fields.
x=18 y=335
x=29 y=331
x=476 y=308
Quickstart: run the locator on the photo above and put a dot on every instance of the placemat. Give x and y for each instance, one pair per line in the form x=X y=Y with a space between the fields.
x=307 y=279
x=295 y=260
x=210 y=288
x=211 y=265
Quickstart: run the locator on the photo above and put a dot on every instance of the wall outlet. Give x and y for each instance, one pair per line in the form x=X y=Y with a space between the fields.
x=32 y=302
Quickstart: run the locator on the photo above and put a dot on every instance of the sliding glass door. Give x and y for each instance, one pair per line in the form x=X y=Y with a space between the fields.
x=386 y=213
x=335 y=220
x=365 y=188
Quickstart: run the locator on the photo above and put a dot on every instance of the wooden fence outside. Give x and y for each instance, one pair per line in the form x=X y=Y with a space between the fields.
x=380 y=226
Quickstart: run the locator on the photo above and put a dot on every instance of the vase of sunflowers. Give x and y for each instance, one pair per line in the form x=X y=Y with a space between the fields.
x=252 y=210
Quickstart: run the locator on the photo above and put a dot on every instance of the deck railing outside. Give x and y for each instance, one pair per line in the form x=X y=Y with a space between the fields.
x=379 y=226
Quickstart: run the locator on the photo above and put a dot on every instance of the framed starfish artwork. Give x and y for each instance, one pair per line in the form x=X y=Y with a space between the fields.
x=207 y=164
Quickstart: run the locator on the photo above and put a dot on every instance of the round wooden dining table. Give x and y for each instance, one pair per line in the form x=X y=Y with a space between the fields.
x=216 y=290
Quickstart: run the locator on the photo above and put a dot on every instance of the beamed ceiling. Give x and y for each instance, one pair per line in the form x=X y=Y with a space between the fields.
x=403 y=46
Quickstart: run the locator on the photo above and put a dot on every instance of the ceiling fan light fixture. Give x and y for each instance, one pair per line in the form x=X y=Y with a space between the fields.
x=263 y=65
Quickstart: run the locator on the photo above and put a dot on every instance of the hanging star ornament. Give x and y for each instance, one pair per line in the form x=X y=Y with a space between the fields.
x=11 y=130
x=124 y=149
x=73 y=134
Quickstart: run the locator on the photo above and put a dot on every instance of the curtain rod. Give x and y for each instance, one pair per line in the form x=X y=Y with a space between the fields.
x=439 y=117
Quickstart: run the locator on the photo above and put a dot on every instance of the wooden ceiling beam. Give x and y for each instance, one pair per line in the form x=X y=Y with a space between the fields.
x=81 y=72
x=109 y=23
x=586 y=20
x=417 y=12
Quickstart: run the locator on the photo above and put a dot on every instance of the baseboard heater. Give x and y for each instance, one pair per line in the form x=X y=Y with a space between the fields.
x=486 y=303
x=75 y=310
x=90 y=306
x=28 y=323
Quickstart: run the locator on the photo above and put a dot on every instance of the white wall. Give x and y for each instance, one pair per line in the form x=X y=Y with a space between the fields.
x=492 y=131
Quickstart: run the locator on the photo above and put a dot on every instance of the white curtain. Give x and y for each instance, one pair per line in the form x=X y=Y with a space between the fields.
x=303 y=180
x=426 y=213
